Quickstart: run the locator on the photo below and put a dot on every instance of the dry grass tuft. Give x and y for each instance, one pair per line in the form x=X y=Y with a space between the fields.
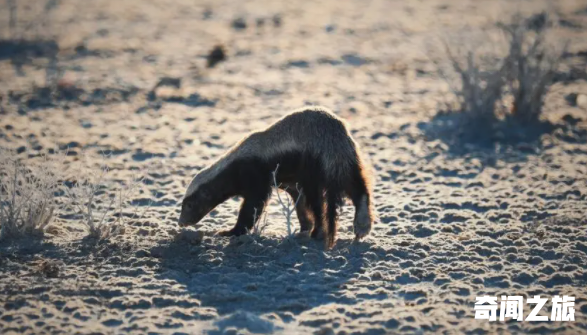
x=27 y=195
x=515 y=60
x=33 y=193
x=475 y=68
x=481 y=84
x=101 y=202
x=533 y=60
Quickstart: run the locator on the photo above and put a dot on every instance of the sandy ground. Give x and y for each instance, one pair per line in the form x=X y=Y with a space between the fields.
x=457 y=219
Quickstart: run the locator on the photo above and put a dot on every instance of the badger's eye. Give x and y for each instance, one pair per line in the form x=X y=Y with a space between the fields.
x=188 y=205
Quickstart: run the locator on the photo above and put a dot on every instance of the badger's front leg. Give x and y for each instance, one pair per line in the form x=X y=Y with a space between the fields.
x=251 y=210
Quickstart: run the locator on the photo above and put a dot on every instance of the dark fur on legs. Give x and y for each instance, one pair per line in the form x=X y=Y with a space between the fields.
x=313 y=148
x=334 y=199
x=302 y=211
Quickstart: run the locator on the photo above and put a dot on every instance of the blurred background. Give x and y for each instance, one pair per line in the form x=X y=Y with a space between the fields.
x=472 y=114
x=234 y=55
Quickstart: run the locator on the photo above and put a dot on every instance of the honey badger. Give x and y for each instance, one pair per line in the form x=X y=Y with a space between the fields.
x=314 y=151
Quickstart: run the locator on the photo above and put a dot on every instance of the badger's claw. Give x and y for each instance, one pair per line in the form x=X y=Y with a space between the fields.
x=362 y=230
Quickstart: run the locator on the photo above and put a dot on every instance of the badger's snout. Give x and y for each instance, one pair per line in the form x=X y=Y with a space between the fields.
x=190 y=214
x=181 y=222
x=184 y=219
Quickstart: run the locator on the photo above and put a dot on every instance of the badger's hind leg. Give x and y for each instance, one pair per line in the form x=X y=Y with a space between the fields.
x=333 y=201
x=360 y=195
x=303 y=212
x=315 y=201
x=311 y=180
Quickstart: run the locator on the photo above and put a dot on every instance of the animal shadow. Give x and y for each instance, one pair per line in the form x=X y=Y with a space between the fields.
x=261 y=275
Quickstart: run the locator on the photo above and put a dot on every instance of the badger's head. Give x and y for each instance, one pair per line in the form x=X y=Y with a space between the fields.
x=198 y=201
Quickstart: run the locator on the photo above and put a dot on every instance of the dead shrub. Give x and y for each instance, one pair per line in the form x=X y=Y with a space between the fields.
x=101 y=202
x=287 y=205
x=27 y=194
x=533 y=60
x=515 y=61
x=475 y=69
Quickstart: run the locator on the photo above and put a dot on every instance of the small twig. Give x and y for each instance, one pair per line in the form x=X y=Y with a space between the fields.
x=287 y=207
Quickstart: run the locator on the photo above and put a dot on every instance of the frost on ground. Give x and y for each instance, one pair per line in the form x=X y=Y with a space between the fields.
x=459 y=218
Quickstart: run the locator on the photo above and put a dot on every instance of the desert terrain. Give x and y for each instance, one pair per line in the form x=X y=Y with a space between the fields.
x=133 y=84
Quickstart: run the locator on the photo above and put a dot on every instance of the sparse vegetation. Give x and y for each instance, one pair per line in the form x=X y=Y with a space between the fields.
x=35 y=192
x=482 y=78
x=532 y=63
x=260 y=224
x=288 y=206
x=515 y=61
x=27 y=195
x=101 y=202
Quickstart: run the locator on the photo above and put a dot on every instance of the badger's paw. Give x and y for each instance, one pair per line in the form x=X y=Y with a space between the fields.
x=225 y=233
x=362 y=229
x=318 y=234
x=230 y=232
x=304 y=234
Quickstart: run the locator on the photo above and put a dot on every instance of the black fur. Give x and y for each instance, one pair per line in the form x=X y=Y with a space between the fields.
x=323 y=191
